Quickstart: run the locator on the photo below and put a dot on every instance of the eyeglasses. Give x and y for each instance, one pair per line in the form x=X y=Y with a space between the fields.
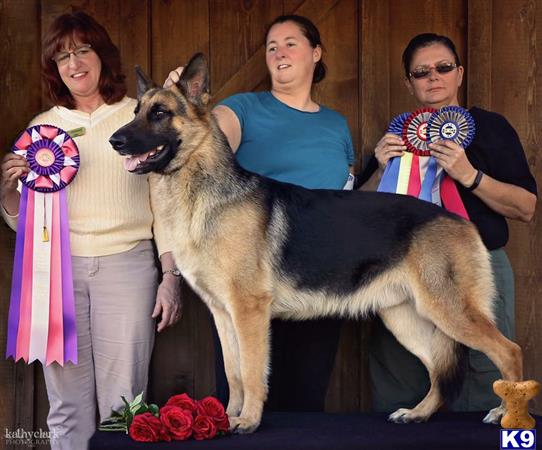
x=81 y=52
x=441 y=68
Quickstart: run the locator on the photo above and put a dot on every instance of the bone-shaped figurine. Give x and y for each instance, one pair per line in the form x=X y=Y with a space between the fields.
x=516 y=396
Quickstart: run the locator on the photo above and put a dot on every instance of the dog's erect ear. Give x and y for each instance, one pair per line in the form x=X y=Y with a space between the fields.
x=194 y=81
x=144 y=83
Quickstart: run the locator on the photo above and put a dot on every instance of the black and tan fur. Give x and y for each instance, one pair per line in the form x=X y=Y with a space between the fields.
x=254 y=249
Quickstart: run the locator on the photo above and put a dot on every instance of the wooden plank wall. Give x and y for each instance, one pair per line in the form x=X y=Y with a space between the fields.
x=497 y=40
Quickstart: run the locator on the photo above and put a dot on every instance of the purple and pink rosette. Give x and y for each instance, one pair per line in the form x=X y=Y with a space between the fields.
x=42 y=322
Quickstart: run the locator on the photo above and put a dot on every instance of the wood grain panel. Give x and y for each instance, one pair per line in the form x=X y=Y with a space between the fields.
x=412 y=17
x=339 y=33
x=364 y=41
x=290 y=6
x=20 y=85
x=478 y=69
x=515 y=86
x=245 y=23
x=338 y=30
x=374 y=74
x=134 y=39
x=254 y=72
x=180 y=28
x=374 y=115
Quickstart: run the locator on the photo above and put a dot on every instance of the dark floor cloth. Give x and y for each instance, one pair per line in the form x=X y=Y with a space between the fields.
x=302 y=359
x=299 y=431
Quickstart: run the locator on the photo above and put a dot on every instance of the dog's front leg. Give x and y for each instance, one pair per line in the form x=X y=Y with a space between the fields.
x=230 y=353
x=252 y=320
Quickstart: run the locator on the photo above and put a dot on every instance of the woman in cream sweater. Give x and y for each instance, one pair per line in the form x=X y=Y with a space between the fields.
x=111 y=228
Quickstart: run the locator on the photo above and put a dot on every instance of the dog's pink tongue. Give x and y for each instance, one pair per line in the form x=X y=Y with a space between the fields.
x=130 y=163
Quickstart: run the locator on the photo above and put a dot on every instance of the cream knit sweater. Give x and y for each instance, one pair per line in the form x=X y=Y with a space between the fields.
x=109 y=208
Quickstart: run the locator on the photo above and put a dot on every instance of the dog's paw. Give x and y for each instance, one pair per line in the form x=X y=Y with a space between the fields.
x=241 y=425
x=495 y=415
x=405 y=415
x=233 y=410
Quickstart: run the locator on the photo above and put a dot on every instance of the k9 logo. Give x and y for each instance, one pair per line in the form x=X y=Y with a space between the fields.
x=522 y=439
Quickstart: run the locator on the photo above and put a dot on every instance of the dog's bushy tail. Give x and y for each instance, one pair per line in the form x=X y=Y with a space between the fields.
x=450 y=359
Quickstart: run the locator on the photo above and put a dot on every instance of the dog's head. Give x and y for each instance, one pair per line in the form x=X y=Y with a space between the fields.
x=164 y=119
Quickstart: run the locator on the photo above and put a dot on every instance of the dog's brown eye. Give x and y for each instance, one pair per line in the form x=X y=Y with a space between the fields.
x=159 y=114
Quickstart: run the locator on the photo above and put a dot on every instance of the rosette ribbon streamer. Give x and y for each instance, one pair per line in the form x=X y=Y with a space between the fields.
x=455 y=124
x=417 y=173
x=41 y=323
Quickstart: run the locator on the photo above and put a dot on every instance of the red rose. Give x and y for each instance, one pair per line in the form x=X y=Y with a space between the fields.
x=211 y=407
x=183 y=401
x=146 y=428
x=164 y=434
x=204 y=428
x=177 y=421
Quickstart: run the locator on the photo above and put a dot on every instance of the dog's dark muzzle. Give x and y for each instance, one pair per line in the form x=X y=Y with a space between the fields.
x=119 y=142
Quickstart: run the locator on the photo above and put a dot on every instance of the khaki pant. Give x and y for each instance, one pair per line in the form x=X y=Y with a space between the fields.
x=114 y=299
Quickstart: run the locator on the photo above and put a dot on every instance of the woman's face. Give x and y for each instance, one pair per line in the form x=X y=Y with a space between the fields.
x=289 y=56
x=80 y=71
x=436 y=89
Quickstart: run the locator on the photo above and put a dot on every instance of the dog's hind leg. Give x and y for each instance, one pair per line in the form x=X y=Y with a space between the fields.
x=230 y=352
x=479 y=333
x=436 y=351
x=453 y=288
x=251 y=315
x=457 y=314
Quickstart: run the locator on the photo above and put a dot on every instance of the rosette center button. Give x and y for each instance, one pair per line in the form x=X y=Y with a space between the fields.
x=45 y=157
x=422 y=131
x=449 y=130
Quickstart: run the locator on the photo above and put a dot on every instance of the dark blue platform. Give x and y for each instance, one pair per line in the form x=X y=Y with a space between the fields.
x=283 y=431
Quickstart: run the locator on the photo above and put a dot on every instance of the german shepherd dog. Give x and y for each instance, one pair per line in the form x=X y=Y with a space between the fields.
x=253 y=249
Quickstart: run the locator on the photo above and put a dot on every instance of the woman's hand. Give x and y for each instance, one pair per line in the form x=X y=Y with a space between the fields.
x=173 y=77
x=13 y=167
x=168 y=301
x=388 y=147
x=454 y=161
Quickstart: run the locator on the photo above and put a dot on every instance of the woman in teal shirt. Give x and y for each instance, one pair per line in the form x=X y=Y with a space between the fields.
x=285 y=135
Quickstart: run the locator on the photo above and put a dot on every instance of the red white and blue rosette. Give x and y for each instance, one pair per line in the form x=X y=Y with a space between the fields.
x=397 y=123
x=416 y=172
x=388 y=183
x=404 y=174
x=415 y=131
x=452 y=123
x=41 y=322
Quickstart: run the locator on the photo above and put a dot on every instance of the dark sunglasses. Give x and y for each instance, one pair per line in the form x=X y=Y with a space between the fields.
x=441 y=68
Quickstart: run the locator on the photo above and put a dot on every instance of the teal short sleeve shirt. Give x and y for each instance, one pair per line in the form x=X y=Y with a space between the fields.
x=310 y=149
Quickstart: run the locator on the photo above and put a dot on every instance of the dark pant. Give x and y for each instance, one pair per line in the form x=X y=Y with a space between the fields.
x=302 y=358
x=399 y=379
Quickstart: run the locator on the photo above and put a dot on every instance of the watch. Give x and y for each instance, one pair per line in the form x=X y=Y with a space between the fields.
x=175 y=272
x=476 y=182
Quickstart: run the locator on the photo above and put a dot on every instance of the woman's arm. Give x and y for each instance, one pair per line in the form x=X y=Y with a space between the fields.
x=229 y=124
x=509 y=200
